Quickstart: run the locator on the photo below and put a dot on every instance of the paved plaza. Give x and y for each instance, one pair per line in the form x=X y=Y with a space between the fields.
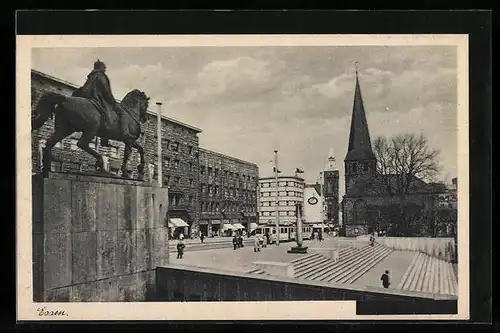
x=360 y=267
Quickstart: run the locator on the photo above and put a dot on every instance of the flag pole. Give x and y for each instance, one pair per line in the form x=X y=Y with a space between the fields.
x=277 y=196
x=158 y=134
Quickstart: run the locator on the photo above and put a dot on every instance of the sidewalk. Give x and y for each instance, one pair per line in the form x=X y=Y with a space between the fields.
x=209 y=240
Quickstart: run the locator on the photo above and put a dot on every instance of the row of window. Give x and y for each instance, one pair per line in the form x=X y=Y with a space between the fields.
x=284 y=230
x=280 y=203
x=283 y=194
x=206 y=206
x=282 y=213
x=228 y=191
x=282 y=184
x=227 y=174
x=176 y=164
x=176 y=146
x=72 y=144
x=175 y=200
x=228 y=207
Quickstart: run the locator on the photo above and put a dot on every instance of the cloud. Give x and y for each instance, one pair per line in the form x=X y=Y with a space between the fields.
x=251 y=100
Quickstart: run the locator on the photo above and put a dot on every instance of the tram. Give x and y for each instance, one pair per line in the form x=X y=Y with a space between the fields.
x=286 y=232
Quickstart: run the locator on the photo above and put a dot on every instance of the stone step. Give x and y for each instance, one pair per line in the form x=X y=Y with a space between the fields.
x=305 y=266
x=318 y=266
x=408 y=271
x=320 y=274
x=446 y=278
x=424 y=283
x=324 y=267
x=318 y=270
x=310 y=255
x=454 y=279
x=418 y=279
x=358 y=264
x=429 y=279
x=257 y=271
x=441 y=276
x=413 y=272
x=363 y=269
x=435 y=287
x=347 y=263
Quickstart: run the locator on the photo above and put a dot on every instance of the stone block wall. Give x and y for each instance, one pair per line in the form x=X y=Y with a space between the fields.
x=97 y=239
x=439 y=247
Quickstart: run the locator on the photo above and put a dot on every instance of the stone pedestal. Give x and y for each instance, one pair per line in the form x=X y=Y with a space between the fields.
x=298 y=249
x=96 y=238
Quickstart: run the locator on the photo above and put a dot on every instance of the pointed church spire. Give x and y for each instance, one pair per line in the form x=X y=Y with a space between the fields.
x=360 y=146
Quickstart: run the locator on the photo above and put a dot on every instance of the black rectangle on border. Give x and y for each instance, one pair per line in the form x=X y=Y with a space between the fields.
x=416 y=307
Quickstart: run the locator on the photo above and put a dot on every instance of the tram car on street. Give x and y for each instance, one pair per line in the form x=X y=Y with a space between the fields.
x=286 y=232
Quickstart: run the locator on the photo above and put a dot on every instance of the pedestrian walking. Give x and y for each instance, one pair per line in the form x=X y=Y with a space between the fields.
x=320 y=236
x=180 y=248
x=240 y=241
x=385 y=279
x=235 y=242
x=256 y=245
x=181 y=236
x=372 y=240
x=202 y=237
x=264 y=241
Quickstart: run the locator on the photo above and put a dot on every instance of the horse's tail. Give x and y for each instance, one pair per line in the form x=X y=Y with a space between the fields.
x=45 y=108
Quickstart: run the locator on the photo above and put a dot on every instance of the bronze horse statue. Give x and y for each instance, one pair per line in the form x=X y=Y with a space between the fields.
x=78 y=114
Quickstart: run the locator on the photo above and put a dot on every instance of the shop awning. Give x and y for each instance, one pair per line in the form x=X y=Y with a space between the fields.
x=178 y=223
x=228 y=227
x=253 y=226
x=238 y=226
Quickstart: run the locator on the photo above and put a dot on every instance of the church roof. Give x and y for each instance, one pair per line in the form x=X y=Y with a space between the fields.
x=374 y=185
x=360 y=146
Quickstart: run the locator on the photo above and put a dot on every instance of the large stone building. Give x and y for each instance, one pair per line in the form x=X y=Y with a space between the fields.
x=228 y=193
x=290 y=192
x=366 y=204
x=180 y=157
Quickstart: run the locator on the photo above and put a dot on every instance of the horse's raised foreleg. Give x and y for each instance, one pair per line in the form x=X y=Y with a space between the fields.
x=140 y=150
x=126 y=155
x=83 y=144
x=59 y=134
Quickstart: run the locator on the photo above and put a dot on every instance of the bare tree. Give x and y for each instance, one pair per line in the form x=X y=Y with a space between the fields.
x=402 y=162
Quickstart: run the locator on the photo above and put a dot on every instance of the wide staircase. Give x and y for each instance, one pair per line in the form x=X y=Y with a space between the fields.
x=350 y=266
x=430 y=274
x=258 y=271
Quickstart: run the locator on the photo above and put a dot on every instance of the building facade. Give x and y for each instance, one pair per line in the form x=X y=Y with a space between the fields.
x=290 y=192
x=181 y=170
x=366 y=205
x=228 y=193
x=313 y=204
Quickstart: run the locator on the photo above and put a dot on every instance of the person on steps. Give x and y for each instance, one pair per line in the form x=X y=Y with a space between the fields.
x=385 y=279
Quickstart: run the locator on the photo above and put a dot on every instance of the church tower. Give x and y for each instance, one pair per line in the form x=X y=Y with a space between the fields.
x=331 y=190
x=360 y=160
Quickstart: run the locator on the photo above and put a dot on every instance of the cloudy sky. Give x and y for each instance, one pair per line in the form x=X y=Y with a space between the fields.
x=251 y=100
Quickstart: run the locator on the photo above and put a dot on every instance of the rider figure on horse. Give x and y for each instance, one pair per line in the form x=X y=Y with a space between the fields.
x=97 y=89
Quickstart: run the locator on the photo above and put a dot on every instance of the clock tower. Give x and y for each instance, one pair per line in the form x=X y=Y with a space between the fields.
x=331 y=190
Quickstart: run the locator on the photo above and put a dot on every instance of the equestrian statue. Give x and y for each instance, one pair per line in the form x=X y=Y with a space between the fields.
x=93 y=111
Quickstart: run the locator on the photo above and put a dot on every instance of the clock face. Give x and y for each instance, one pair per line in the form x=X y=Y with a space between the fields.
x=312 y=201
